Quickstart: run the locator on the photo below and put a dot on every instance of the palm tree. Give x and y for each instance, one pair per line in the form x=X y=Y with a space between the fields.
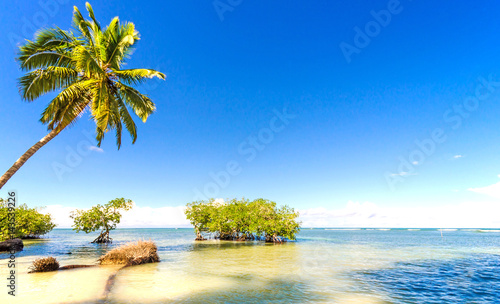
x=85 y=65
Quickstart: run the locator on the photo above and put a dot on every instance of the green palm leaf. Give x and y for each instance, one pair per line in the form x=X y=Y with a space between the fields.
x=141 y=104
x=42 y=81
x=126 y=118
x=136 y=76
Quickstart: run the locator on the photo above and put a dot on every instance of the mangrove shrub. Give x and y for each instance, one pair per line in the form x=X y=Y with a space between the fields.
x=100 y=217
x=243 y=220
x=26 y=223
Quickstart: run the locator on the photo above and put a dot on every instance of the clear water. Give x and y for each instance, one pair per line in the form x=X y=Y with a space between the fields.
x=323 y=266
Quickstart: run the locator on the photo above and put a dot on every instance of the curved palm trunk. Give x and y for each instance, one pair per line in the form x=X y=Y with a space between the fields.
x=7 y=175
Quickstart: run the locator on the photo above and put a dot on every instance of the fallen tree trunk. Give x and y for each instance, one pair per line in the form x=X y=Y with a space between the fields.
x=75 y=266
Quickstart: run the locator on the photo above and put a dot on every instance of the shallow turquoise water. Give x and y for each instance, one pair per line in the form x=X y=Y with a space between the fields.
x=323 y=266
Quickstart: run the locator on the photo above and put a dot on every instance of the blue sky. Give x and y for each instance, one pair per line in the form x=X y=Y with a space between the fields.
x=231 y=68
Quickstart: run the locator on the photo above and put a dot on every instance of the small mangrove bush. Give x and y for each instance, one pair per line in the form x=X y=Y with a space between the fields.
x=44 y=265
x=23 y=222
x=101 y=217
x=243 y=220
x=133 y=253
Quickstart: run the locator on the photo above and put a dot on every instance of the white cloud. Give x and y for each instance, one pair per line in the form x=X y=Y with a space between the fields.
x=457 y=156
x=492 y=190
x=163 y=217
x=96 y=149
x=355 y=214
x=60 y=214
x=137 y=217
x=219 y=201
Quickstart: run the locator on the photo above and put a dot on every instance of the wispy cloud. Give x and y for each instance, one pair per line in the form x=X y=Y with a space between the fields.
x=60 y=214
x=96 y=149
x=138 y=217
x=155 y=217
x=492 y=190
x=355 y=214
x=457 y=156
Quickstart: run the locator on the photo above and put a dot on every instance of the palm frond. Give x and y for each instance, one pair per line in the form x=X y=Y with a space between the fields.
x=96 y=34
x=140 y=104
x=74 y=110
x=68 y=104
x=109 y=37
x=81 y=25
x=45 y=59
x=99 y=136
x=91 y=15
x=101 y=109
x=126 y=118
x=116 y=121
x=118 y=132
x=86 y=62
x=41 y=81
x=136 y=76
x=126 y=35
x=52 y=40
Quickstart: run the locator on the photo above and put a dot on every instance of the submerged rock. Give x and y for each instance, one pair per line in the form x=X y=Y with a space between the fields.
x=9 y=245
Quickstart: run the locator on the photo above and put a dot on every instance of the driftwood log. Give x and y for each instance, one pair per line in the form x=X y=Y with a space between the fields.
x=75 y=266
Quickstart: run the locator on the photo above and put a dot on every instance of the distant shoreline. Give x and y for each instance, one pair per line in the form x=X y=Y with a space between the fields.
x=329 y=228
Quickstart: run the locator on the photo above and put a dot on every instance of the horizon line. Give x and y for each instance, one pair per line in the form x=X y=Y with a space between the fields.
x=343 y=228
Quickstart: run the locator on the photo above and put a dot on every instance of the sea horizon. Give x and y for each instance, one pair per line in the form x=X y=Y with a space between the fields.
x=340 y=228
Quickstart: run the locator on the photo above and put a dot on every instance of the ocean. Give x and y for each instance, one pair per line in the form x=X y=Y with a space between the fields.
x=322 y=266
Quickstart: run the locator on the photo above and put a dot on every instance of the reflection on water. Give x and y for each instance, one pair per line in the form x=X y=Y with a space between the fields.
x=323 y=266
